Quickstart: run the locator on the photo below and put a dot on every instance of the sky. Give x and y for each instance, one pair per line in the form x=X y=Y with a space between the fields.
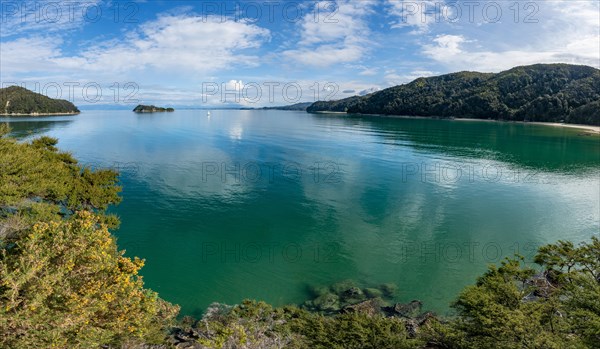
x=105 y=53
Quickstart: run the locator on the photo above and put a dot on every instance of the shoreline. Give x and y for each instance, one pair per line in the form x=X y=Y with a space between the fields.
x=340 y=112
x=39 y=114
x=591 y=129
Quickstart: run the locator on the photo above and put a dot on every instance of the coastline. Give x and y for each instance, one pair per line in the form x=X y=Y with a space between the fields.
x=339 y=112
x=39 y=114
x=590 y=129
x=150 y=112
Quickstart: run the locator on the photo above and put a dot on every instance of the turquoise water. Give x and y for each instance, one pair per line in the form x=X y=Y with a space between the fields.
x=264 y=204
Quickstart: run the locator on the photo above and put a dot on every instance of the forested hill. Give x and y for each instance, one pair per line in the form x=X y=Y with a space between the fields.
x=541 y=92
x=15 y=100
x=151 y=109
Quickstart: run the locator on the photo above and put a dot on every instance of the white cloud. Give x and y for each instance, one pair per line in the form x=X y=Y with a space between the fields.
x=369 y=71
x=179 y=50
x=326 y=55
x=49 y=16
x=171 y=44
x=565 y=32
x=444 y=46
x=179 y=43
x=339 y=35
x=417 y=14
x=394 y=78
x=21 y=55
x=368 y=91
x=255 y=93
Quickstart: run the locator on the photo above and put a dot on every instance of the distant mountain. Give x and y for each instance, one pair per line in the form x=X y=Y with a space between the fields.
x=297 y=106
x=151 y=109
x=98 y=106
x=15 y=100
x=541 y=92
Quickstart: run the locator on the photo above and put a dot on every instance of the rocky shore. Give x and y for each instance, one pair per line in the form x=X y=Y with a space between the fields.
x=340 y=298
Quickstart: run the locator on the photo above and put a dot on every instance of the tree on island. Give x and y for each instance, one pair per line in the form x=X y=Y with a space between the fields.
x=15 y=100
x=151 y=109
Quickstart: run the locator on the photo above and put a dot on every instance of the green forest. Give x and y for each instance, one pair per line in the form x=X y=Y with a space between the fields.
x=541 y=92
x=151 y=109
x=19 y=100
x=64 y=283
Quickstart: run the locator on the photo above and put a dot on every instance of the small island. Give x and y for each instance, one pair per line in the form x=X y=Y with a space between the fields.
x=19 y=101
x=151 y=109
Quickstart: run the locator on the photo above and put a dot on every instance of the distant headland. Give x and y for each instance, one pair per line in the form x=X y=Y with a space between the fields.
x=559 y=93
x=151 y=109
x=19 y=101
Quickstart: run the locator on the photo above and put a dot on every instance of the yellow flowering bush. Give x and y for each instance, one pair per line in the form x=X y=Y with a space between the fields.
x=40 y=183
x=66 y=285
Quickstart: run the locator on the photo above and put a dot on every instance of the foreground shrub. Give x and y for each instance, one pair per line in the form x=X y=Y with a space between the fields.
x=40 y=183
x=513 y=306
x=66 y=285
x=257 y=325
x=349 y=330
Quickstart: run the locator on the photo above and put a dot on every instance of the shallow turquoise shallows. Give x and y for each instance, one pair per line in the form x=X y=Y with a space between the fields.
x=264 y=204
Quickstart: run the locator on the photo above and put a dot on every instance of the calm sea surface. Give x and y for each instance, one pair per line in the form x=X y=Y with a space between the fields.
x=264 y=204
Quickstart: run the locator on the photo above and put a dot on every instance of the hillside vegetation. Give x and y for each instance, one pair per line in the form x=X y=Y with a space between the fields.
x=15 y=100
x=151 y=109
x=541 y=92
x=297 y=106
x=63 y=281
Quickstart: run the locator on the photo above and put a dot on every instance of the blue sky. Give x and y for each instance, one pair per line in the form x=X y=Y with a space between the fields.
x=260 y=53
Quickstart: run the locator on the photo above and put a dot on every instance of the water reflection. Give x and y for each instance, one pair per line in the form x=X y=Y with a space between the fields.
x=22 y=128
x=257 y=204
x=525 y=145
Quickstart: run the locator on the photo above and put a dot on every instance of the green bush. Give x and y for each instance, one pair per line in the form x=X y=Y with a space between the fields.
x=258 y=325
x=509 y=307
x=39 y=183
x=65 y=284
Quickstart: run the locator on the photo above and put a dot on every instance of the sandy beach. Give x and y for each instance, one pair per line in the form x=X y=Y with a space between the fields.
x=589 y=128
x=593 y=129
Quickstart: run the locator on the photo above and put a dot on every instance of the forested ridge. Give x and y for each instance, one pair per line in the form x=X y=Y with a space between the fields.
x=541 y=92
x=18 y=100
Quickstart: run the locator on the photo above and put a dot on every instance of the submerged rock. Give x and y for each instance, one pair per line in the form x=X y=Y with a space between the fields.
x=373 y=292
x=327 y=302
x=353 y=295
x=408 y=310
x=342 y=286
x=317 y=291
x=353 y=292
x=369 y=307
x=346 y=293
x=389 y=290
